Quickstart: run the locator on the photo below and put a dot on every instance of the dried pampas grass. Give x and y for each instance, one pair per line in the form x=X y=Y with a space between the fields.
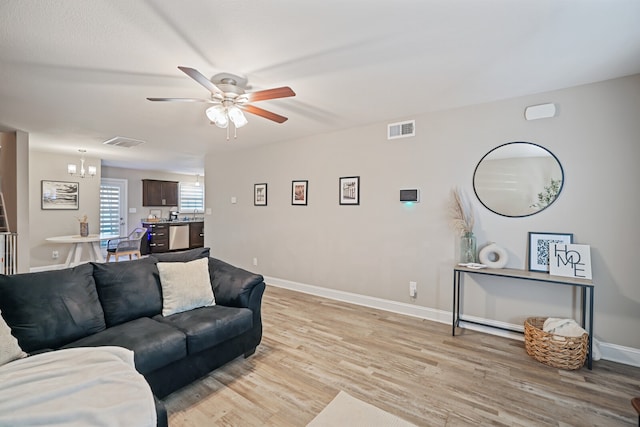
x=462 y=219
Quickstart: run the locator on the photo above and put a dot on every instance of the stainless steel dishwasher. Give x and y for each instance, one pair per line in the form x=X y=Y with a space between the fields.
x=178 y=236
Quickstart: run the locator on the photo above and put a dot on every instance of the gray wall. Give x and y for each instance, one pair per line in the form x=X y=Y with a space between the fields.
x=376 y=248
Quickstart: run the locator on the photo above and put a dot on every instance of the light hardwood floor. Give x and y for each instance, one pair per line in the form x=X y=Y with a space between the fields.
x=314 y=347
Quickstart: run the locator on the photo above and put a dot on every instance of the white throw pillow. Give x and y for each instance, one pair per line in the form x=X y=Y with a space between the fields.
x=9 y=347
x=185 y=286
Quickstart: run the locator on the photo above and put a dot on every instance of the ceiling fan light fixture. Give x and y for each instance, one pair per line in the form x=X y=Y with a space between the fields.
x=236 y=116
x=218 y=116
x=227 y=93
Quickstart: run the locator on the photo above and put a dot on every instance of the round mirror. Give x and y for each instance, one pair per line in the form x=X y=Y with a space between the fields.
x=518 y=179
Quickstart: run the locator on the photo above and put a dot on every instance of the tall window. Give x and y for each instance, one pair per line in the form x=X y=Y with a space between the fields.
x=191 y=198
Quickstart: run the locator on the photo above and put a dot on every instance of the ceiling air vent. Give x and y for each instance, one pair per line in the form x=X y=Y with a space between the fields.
x=120 y=141
x=401 y=129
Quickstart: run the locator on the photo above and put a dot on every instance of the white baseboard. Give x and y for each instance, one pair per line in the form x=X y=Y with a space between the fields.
x=47 y=268
x=611 y=352
x=620 y=354
x=364 y=300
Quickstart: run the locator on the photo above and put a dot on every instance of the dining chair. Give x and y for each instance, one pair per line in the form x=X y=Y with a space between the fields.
x=126 y=245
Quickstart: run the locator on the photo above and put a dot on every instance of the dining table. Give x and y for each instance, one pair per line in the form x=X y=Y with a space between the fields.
x=78 y=242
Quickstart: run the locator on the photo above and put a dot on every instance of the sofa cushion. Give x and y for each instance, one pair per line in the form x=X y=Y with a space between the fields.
x=209 y=326
x=154 y=344
x=9 y=348
x=185 y=286
x=182 y=256
x=51 y=308
x=128 y=290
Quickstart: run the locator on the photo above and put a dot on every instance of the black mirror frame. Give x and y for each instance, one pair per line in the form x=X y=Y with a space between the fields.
x=510 y=143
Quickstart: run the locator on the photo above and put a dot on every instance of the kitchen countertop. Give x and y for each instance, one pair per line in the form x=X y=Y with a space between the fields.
x=175 y=221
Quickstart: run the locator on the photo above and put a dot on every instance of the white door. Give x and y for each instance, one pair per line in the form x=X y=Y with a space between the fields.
x=113 y=207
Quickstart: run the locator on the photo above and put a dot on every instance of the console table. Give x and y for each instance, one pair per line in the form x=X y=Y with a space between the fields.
x=584 y=284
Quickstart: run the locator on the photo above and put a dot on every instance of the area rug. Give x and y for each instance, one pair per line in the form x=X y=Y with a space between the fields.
x=346 y=410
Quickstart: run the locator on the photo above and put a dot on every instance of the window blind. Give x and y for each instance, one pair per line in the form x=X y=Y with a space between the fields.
x=109 y=210
x=191 y=198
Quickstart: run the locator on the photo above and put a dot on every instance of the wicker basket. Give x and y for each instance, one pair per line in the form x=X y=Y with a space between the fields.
x=554 y=350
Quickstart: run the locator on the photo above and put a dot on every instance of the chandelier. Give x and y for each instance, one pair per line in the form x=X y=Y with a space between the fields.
x=90 y=171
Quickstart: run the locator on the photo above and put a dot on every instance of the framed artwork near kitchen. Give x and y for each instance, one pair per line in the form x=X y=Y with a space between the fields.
x=60 y=195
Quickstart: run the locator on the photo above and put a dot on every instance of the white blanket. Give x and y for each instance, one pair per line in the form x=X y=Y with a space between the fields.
x=563 y=327
x=96 y=386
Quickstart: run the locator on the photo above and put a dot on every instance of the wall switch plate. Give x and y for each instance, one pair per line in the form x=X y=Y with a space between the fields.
x=208 y=211
x=234 y=200
x=255 y=261
x=55 y=254
x=413 y=289
x=133 y=210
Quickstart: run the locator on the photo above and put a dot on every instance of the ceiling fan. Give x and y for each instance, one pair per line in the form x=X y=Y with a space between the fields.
x=230 y=99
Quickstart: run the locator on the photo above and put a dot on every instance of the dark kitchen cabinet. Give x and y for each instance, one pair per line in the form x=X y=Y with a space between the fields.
x=159 y=193
x=196 y=234
x=157 y=238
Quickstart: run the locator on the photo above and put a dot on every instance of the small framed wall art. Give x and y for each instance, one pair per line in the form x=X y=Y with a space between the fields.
x=59 y=195
x=540 y=245
x=299 y=191
x=350 y=190
x=260 y=194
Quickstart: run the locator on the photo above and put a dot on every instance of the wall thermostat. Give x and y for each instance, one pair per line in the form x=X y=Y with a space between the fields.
x=410 y=195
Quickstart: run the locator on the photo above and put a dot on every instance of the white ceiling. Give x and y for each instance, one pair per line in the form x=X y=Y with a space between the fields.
x=74 y=73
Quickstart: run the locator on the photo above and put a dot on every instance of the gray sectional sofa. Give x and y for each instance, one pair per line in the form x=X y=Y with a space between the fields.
x=121 y=304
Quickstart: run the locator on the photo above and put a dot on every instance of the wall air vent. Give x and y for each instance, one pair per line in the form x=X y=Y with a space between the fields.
x=120 y=141
x=401 y=129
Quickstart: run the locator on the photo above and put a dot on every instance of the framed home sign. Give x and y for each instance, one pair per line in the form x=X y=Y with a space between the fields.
x=350 y=190
x=299 y=192
x=570 y=260
x=60 y=195
x=260 y=194
x=539 y=247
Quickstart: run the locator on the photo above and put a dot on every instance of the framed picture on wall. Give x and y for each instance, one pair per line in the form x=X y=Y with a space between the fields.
x=299 y=192
x=260 y=194
x=349 y=190
x=60 y=195
x=539 y=245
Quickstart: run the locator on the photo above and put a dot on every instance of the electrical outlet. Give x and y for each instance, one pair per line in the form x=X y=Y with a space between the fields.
x=413 y=289
x=55 y=254
x=255 y=262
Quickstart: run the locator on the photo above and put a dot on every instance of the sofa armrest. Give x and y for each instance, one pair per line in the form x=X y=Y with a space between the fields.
x=233 y=286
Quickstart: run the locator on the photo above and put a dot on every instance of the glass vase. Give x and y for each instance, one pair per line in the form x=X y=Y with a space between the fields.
x=468 y=248
x=84 y=229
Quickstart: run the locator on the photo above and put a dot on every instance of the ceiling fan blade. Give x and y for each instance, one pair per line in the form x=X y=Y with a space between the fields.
x=280 y=92
x=182 y=100
x=197 y=76
x=263 y=113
